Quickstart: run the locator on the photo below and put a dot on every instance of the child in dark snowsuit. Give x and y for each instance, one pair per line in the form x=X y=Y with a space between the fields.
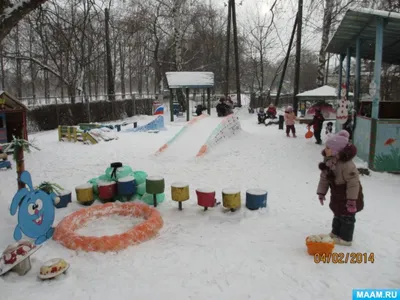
x=317 y=124
x=340 y=175
x=261 y=116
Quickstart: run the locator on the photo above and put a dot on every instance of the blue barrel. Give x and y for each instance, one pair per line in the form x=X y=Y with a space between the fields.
x=126 y=186
x=118 y=127
x=256 y=198
x=65 y=198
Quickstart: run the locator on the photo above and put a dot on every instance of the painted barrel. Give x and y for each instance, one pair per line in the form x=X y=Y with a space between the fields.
x=155 y=185
x=126 y=186
x=180 y=191
x=107 y=190
x=231 y=198
x=84 y=194
x=205 y=197
x=256 y=198
x=65 y=198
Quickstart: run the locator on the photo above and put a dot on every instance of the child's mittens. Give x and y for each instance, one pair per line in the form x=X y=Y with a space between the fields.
x=351 y=206
x=321 y=199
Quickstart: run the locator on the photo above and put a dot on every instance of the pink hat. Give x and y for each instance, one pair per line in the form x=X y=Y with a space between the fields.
x=338 y=141
x=289 y=109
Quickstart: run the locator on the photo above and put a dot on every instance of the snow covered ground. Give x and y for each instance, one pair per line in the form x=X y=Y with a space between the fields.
x=210 y=255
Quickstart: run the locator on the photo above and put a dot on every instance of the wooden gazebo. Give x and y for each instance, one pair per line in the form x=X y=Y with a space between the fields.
x=374 y=35
x=12 y=118
x=187 y=81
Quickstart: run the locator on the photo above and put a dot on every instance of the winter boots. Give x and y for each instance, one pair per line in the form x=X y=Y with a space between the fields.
x=343 y=229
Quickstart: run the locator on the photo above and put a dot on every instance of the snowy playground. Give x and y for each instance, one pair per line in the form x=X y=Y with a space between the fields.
x=216 y=253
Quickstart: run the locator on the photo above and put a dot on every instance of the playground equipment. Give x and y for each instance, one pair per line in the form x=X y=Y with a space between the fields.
x=180 y=132
x=229 y=126
x=107 y=191
x=206 y=198
x=180 y=192
x=84 y=194
x=16 y=257
x=65 y=232
x=52 y=268
x=36 y=211
x=154 y=125
x=256 y=198
x=231 y=199
x=71 y=133
x=155 y=185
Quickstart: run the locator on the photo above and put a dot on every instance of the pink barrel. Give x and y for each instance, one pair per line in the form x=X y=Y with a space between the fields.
x=205 y=197
x=107 y=191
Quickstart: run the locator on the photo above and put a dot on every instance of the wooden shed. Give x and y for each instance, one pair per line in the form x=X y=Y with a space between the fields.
x=12 y=118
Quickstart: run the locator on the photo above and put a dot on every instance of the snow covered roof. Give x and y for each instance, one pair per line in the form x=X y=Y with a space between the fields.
x=361 y=22
x=194 y=80
x=325 y=91
x=12 y=102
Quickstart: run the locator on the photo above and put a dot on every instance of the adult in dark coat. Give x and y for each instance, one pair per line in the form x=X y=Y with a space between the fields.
x=222 y=108
x=317 y=123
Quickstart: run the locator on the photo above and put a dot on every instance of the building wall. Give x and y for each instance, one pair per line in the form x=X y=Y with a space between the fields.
x=387 y=149
x=362 y=137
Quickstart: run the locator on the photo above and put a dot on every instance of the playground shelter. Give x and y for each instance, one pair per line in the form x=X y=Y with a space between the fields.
x=373 y=35
x=12 y=118
x=187 y=81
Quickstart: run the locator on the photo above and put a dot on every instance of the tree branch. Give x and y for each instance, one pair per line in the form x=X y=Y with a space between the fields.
x=10 y=16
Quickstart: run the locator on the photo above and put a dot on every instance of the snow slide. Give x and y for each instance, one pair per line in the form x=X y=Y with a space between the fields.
x=190 y=139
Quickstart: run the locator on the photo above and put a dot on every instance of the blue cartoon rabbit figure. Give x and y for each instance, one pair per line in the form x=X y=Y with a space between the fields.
x=36 y=211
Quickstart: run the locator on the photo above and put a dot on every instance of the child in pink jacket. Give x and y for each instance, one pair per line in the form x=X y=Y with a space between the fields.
x=290 y=118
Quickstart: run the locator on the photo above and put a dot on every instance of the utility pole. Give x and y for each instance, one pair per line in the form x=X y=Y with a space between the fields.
x=286 y=62
x=232 y=14
x=298 y=56
x=228 y=42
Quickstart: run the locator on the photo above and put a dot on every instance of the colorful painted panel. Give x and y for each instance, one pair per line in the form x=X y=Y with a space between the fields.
x=387 y=151
x=362 y=137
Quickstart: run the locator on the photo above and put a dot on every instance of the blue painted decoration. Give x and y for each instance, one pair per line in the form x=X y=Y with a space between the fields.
x=256 y=198
x=362 y=137
x=35 y=212
x=127 y=186
x=65 y=199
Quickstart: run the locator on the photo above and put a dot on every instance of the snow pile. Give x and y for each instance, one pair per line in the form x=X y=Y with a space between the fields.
x=103 y=133
x=229 y=127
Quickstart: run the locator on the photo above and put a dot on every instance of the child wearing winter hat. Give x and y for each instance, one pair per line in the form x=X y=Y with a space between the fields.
x=340 y=174
x=290 y=118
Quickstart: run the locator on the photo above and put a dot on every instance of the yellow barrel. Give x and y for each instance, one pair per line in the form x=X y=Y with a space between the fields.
x=180 y=191
x=84 y=194
x=231 y=198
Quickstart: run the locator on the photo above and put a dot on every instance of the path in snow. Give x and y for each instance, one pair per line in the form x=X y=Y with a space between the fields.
x=188 y=144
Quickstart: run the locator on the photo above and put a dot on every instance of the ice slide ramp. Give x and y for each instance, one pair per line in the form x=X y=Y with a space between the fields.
x=188 y=141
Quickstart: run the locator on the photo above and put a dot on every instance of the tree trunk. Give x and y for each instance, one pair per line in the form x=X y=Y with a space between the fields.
x=329 y=4
x=3 y=71
x=32 y=65
x=10 y=16
x=19 y=70
x=122 y=66
x=178 y=48
x=110 y=75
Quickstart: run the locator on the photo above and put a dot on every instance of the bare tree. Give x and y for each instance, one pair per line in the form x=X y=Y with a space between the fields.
x=11 y=14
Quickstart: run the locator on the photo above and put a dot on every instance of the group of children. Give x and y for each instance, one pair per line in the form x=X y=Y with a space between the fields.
x=338 y=173
x=269 y=114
